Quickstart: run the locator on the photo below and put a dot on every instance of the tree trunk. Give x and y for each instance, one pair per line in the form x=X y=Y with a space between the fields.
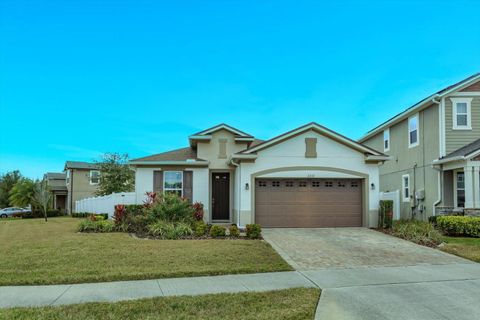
x=45 y=213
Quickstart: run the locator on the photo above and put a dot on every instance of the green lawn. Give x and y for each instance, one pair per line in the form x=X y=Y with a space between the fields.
x=37 y=252
x=282 y=304
x=468 y=248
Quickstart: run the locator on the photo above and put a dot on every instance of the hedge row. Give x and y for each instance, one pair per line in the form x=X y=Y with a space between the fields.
x=459 y=225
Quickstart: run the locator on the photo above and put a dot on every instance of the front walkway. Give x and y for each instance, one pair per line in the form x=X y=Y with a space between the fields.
x=20 y=296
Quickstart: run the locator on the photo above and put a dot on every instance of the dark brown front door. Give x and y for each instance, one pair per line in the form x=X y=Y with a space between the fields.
x=220 y=196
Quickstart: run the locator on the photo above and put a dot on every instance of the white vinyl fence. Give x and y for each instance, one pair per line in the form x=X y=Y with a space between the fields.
x=395 y=197
x=104 y=204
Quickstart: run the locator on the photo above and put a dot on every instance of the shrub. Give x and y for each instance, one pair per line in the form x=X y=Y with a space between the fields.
x=171 y=207
x=136 y=224
x=459 y=225
x=234 y=231
x=39 y=214
x=433 y=220
x=119 y=214
x=169 y=230
x=134 y=209
x=420 y=232
x=198 y=214
x=253 y=231
x=88 y=214
x=96 y=226
x=385 y=214
x=200 y=228
x=217 y=231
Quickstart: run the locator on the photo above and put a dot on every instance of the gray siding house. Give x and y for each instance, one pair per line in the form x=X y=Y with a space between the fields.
x=435 y=152
x=82 y=179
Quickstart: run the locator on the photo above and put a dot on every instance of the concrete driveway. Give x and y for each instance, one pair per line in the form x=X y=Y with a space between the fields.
x=365 y=274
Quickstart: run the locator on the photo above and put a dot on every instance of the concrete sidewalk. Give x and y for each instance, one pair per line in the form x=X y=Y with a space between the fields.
x=52 y=295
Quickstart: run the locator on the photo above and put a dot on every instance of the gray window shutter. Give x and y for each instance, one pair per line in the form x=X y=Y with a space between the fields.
x=158 y=181
x=187 y=185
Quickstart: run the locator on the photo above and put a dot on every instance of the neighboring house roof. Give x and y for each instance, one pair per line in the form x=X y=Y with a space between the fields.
x=320 y=129
x=182 y=154
x=464 y=152
x=80 y=165
x=55 y=176
x=420 y=105
x=58 y=188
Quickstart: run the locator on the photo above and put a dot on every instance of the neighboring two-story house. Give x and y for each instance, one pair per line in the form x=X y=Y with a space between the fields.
x=435 y=150
x=56 y=182
x=82 y=179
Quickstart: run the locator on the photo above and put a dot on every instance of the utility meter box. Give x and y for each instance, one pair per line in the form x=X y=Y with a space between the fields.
x=420 y=194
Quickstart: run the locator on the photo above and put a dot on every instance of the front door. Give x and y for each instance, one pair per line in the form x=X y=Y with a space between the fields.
x=220 y=196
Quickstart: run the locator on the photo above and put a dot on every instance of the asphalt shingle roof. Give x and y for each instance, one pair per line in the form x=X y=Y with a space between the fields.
x=80 y=165
x=464 y=151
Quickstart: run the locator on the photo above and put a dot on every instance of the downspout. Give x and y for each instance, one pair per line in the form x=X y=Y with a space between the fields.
x=71 y=191
x=239 y=189
x=440 y=147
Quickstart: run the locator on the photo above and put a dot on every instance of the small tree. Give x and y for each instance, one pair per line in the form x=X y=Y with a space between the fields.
x=115 y=174
x=42 y=196
x=7 y=181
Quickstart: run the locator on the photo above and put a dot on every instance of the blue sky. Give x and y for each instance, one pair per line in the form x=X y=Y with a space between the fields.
x=79 y=78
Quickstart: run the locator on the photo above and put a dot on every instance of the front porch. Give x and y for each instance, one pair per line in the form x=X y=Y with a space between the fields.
x=460 y=183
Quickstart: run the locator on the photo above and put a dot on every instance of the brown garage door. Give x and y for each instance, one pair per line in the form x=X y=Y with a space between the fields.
x=308 y=203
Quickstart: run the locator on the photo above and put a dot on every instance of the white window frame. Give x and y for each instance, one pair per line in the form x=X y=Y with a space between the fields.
x=386 y=137
x=468 y=102
x=410 y=144
x=173 y=189
x=90 y=178
x=404 y=187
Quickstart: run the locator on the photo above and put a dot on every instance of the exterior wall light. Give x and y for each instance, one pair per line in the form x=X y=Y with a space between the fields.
x=247 y=186
x=372 y=186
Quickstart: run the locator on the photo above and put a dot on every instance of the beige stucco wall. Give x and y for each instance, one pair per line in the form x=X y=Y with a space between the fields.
x=210 y=150
x=405 y=158
x=288 y=159
x=455 y=139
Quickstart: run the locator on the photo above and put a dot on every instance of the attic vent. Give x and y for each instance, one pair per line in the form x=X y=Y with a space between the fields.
x=310 y=147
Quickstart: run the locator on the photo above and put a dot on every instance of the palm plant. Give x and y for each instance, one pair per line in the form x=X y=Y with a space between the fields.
x=22 y=193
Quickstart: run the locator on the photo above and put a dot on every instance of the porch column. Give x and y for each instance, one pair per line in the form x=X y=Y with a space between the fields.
x=476 y=187
x=472 y=187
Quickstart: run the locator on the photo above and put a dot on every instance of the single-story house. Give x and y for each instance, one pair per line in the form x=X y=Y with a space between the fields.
x=308 y=177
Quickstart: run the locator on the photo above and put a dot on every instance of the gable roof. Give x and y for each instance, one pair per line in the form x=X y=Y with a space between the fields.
x=55 y=176
x=421 y=105
x=80 y=165
x=317 y=128
x=223 y=126
x=463 y=153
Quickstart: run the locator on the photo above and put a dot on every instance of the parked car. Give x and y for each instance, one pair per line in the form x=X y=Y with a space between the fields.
x=12 y=211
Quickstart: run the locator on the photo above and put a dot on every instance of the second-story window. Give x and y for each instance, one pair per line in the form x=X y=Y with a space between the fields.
x=386 y=140
x=67 y=179
x=94 y=177
x=413 y=131
x=461 y=113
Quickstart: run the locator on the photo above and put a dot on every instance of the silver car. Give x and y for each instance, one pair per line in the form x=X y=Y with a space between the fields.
x=11 y=211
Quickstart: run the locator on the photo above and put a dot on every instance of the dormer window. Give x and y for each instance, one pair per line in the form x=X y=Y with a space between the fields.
x=413 y=139
x=462 y=119
x=386 y=140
